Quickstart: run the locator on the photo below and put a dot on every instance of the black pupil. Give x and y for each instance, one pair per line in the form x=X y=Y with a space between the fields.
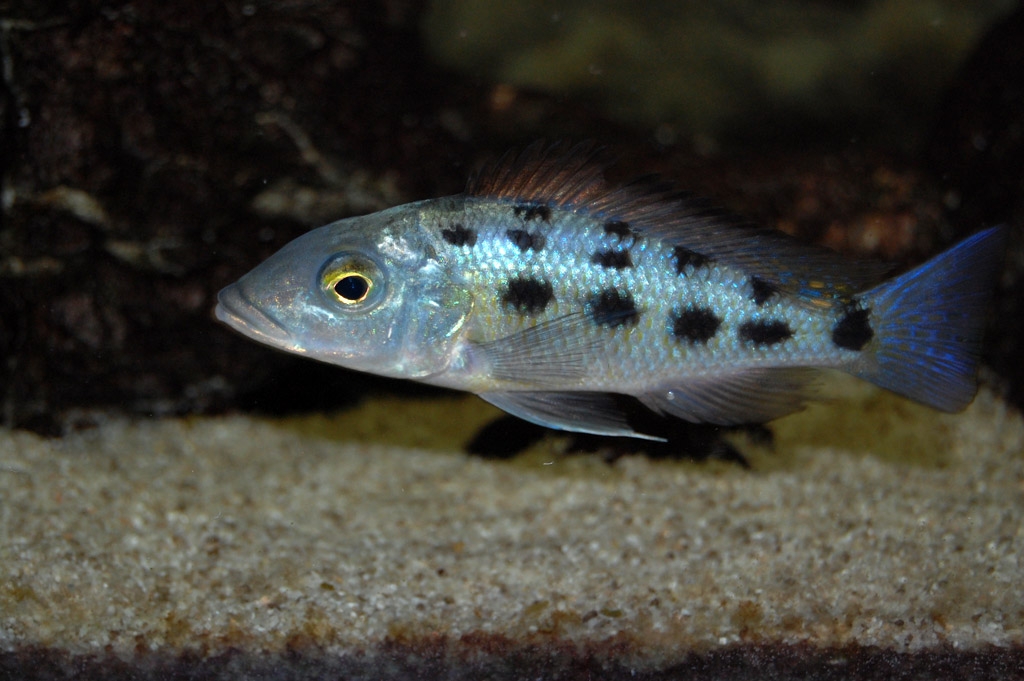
x=352 y=287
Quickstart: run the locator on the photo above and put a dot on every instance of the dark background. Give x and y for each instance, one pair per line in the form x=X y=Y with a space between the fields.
x=153 y=152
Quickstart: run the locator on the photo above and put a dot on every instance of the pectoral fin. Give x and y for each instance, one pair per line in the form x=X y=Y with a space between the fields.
x=550 y=354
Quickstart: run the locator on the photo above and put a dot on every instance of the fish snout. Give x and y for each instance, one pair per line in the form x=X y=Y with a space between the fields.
x=236 y=310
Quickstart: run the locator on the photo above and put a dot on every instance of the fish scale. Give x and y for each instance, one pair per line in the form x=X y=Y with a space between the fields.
x=552 y=294
x=627 y=356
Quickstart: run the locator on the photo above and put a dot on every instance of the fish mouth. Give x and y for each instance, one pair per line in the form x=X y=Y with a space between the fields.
x=236 y=310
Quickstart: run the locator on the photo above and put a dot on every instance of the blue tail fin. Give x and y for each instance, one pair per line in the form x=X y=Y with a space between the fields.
x=929 y=324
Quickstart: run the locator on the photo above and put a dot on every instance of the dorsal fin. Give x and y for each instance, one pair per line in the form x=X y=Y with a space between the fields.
x=556 y=175
x=572 y=178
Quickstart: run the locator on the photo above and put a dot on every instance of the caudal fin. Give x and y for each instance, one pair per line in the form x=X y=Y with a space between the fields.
x=929 y=324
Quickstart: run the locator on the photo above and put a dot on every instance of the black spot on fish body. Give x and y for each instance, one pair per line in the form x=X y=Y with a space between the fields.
x=458 y=235
x=530 y=212
x=695 y=325
x=526 y=241
x=613 y=308
x=765 y=332
x=762 y=290
x=853 y=330
x=619 y=229
x=617 y=260
x=685 y=257
x=527 y=295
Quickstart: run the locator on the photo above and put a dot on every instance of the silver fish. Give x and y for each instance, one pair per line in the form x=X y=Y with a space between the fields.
x=551 y=294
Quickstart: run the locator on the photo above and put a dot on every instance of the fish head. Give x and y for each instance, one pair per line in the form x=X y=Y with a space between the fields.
x=368 y=293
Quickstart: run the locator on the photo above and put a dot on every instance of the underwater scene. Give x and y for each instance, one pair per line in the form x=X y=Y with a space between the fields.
x=525 y=340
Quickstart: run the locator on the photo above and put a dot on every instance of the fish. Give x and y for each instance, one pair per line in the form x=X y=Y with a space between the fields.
x=555 y=295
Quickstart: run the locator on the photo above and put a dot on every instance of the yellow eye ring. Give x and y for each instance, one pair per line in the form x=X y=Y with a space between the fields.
x=350 y=287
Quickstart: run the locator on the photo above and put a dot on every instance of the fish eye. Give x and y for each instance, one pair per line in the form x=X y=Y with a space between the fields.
x=350 y=287
x=353 y=280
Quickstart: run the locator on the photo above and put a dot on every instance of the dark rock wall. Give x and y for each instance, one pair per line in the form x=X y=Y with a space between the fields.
x=137 y=139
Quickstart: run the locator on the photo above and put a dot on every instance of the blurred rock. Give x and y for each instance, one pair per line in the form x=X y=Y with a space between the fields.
x=734 y=73
x=144 y=139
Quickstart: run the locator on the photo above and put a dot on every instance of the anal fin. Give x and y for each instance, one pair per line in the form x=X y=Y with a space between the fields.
x=751 y=396
x=581 y=412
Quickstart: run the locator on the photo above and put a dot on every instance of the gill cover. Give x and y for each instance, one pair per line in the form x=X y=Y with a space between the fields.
x=411 y=303
x=434 y=310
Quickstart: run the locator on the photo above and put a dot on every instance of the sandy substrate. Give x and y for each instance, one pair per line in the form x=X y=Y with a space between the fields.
x=223 y=534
